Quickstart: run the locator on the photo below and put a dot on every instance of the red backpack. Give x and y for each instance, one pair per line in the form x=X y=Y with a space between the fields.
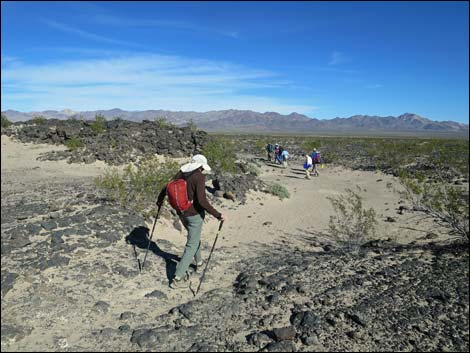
x=177 y=191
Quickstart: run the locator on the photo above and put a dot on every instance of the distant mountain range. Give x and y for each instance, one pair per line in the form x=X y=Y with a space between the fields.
x=250 y=121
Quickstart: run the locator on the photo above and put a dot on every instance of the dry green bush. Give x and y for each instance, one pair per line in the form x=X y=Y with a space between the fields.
x=99 y=125
x=352 y=225
x=39 y=120
x=252 y=168
x=444 y=202
x=163 y=123
x=192 y=126
x=74 y=143
x=137 y=186
x=260 y=145
x=5 y=121
x=309 y=144
x=220 y=154
x=277 y=190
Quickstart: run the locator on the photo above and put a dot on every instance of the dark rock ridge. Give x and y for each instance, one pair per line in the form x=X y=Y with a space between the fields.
x=235 y=186
x=250 y=121
x=126 y=141
x=64 y=219
x=63 y=252
x=299 y=300
x=121 y=141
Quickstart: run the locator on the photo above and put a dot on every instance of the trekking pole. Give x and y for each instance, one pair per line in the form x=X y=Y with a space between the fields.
x=137 y=258
x=150 y=239
x=207 y=264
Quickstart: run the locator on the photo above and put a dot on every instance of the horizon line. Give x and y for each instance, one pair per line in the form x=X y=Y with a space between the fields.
x=231 y=109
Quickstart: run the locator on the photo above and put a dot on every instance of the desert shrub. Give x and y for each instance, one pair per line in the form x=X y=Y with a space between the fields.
x=5 y=121
x=39 y=120
x=192 y=125
x=99 y=125
x=163 y=123
x=310 y=144
x=253 y=169
x=137 y=186
x=330 y=157
x=76 y=117
x=114 y=185
x=277 y=190
x=260 y=145
x=220 y=154
x=74 y=143
x=444 y=202
x=352 y=225
x=113 y=143
x=388 y=154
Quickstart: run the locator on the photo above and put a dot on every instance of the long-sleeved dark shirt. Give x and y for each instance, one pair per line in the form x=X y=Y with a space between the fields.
x=196 y=182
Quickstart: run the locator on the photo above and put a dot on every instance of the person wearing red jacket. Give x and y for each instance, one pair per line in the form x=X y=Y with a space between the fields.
x=193 y=217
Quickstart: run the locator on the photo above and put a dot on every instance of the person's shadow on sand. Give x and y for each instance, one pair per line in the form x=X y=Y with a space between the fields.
x=140 y=237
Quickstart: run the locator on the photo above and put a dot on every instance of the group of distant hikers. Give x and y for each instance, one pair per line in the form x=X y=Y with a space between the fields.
x=281 y=155
x=312 y=162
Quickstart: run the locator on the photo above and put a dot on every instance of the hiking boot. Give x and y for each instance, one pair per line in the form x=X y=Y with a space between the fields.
x=199 y=267
x=177 y=283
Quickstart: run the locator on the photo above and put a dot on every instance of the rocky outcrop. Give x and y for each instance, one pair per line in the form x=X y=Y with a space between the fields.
x=66 y=266
x=119 y=141
x=389 y=299
x=235 y=186
x=64 y=220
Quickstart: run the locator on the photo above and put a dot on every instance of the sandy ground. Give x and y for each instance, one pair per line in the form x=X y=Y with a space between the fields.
x=264 y=219
x=307 y=209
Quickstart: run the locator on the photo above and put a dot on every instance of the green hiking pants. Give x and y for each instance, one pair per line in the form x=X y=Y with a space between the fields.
x=193 y=225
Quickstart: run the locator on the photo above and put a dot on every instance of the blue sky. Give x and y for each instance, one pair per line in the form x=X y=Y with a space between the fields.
x=322 y=59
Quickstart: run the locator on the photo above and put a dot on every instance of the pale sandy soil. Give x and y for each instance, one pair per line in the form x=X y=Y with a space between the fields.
x=305 y=213
x=308 y=208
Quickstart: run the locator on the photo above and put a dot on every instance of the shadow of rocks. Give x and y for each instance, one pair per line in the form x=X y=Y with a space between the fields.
x=294 y=177
x=455 y=247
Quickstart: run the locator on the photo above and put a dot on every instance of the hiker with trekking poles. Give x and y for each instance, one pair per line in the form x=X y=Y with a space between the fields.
x=187 y=195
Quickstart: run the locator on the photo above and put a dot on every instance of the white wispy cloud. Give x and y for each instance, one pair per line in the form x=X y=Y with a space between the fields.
x=120 y=21
x=336 y=58
x=8 y=60
x=86 y=34
x=144 y=81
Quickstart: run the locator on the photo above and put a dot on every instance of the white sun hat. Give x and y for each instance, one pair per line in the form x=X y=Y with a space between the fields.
x=197 y=161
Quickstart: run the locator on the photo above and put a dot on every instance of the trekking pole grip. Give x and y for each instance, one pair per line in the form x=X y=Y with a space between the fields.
x=220 y=225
